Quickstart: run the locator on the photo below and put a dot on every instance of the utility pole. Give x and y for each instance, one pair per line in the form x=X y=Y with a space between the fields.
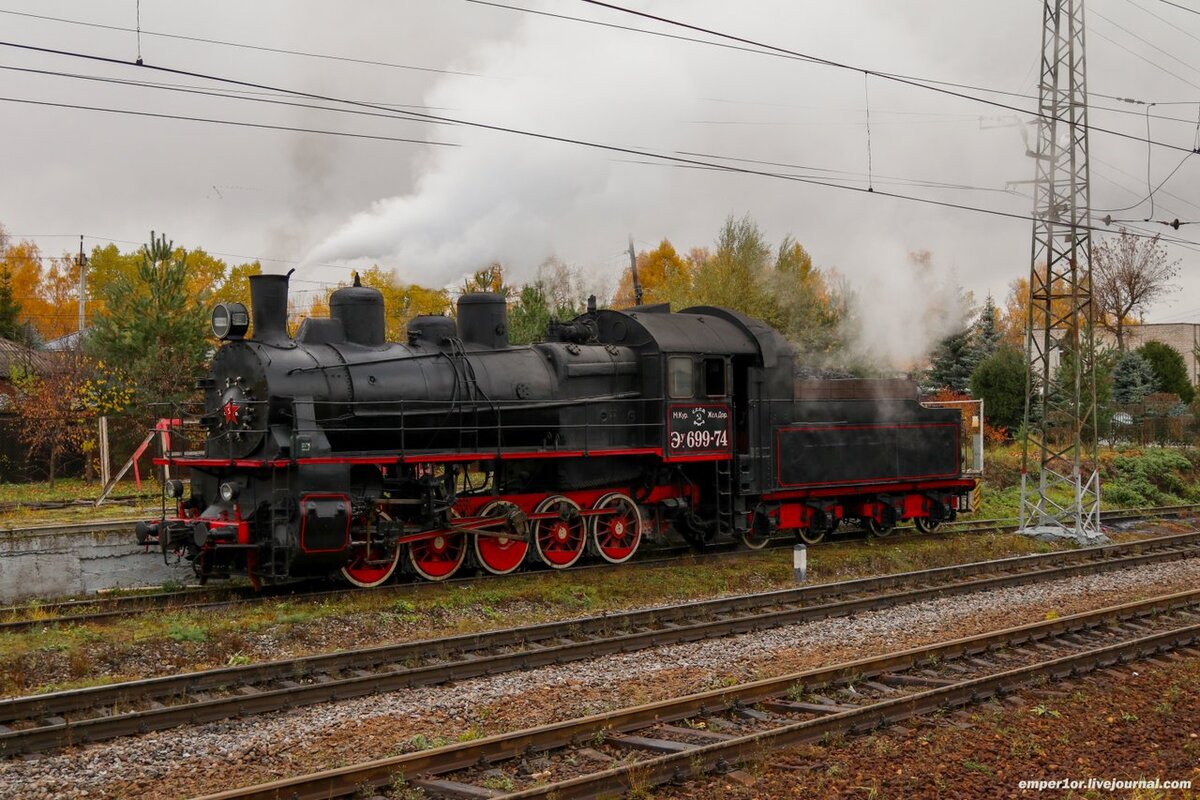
x=637 y=284
x=82 y=287
x=1060 y=409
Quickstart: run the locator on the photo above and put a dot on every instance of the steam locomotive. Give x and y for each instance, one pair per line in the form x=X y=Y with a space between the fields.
x=335 y=451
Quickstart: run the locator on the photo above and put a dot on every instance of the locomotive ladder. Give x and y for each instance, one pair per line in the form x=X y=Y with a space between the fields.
x=724 y=497
x=281 y=500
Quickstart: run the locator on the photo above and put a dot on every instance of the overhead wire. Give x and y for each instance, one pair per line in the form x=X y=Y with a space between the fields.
x=1177 y=5
x=920 y=82
x=242 y=45
x=233 y=123
x=272 y=98
x=537 y=135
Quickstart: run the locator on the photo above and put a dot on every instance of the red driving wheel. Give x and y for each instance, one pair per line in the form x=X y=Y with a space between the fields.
x=559 y=539
x=617 y=533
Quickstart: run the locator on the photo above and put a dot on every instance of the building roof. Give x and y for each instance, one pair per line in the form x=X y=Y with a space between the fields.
x=71 y=341
x=13 y=354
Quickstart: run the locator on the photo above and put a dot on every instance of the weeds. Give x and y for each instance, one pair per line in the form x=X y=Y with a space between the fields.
x=181 y=632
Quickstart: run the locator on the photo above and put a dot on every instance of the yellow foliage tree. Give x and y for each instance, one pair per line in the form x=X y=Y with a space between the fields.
x=663 y=273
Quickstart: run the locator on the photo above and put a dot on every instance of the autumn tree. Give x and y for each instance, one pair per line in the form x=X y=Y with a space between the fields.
x=1128 y=274
x=45 y=288
x=488 y=279
x=663 y=273
x=1016 y=309
x=235 y=288
x=152 y=324
x=807 y=310
x=55 y=422
x=737 y=274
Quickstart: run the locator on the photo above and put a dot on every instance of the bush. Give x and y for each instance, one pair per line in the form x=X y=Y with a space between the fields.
x=1156 y=477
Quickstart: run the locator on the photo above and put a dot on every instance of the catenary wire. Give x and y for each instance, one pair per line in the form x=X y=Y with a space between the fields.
x=539 y=135
x=243 y=45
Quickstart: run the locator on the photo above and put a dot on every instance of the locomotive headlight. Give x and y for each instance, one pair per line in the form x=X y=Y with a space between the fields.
x=174 y=489
x=230 y=321
x=228 y=492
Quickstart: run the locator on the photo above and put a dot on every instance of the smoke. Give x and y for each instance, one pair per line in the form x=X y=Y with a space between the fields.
x=517 y=200
x=900 y=309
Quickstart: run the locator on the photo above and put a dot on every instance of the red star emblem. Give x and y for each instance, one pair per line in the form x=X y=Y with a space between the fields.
x=230 y=410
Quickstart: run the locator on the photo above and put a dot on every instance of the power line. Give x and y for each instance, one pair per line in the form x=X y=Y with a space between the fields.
x=234 y=123
x=552 y=137
x=1177 y=5
x=241 y=45
x=255 y=97
x=1152 y=46
x=931 y=84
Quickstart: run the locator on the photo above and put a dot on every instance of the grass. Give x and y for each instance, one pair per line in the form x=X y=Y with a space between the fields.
x=41 y=659
x=69 y=489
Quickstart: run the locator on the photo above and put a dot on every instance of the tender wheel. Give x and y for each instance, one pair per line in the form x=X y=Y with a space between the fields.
x=371 y=564
x=927 y=525
x=500 y=555
x=811 y=535
x=755 y=539
x=559 y=540
x=439 y=557
x=879 y=529
x=616 y=536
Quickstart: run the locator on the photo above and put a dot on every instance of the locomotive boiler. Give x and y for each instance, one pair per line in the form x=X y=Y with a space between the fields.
x=335 y=451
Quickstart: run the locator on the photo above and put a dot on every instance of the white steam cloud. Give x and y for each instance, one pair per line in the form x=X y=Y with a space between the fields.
x=517 y=200
x=514 y=199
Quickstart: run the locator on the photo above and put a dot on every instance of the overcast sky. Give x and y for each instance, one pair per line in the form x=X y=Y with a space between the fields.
x=434 y=212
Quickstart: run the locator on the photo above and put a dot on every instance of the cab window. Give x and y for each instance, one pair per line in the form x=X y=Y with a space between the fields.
x=680 y=381
x=714 y=377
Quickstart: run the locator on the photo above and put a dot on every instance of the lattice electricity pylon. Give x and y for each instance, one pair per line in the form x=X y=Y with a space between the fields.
x=1060 y=410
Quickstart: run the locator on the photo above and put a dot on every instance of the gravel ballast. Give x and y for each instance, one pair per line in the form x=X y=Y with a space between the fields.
x=207 y=758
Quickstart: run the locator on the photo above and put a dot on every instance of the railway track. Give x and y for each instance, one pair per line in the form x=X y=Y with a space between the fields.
x=100 y=609
x=636 y=748
x=48 y=721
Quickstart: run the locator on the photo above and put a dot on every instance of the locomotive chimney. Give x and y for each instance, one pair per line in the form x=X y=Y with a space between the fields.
x=483 y=320
x=268 y=303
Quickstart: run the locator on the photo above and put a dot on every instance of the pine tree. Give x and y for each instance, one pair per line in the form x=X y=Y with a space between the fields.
x=10 y=309
x=986 y=333
x=152 y=326
x=953 y=362
x=1132 y=378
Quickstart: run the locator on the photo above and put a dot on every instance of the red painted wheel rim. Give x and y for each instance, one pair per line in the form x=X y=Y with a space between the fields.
x=499 y=555
x=370 y=569
x=438 y=557
x=617 y=534
x=560 y=541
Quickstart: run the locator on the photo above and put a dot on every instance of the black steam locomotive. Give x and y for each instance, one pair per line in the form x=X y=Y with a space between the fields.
x=335 y=450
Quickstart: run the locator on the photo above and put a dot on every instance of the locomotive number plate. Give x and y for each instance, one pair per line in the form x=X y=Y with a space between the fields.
x=698 y=429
